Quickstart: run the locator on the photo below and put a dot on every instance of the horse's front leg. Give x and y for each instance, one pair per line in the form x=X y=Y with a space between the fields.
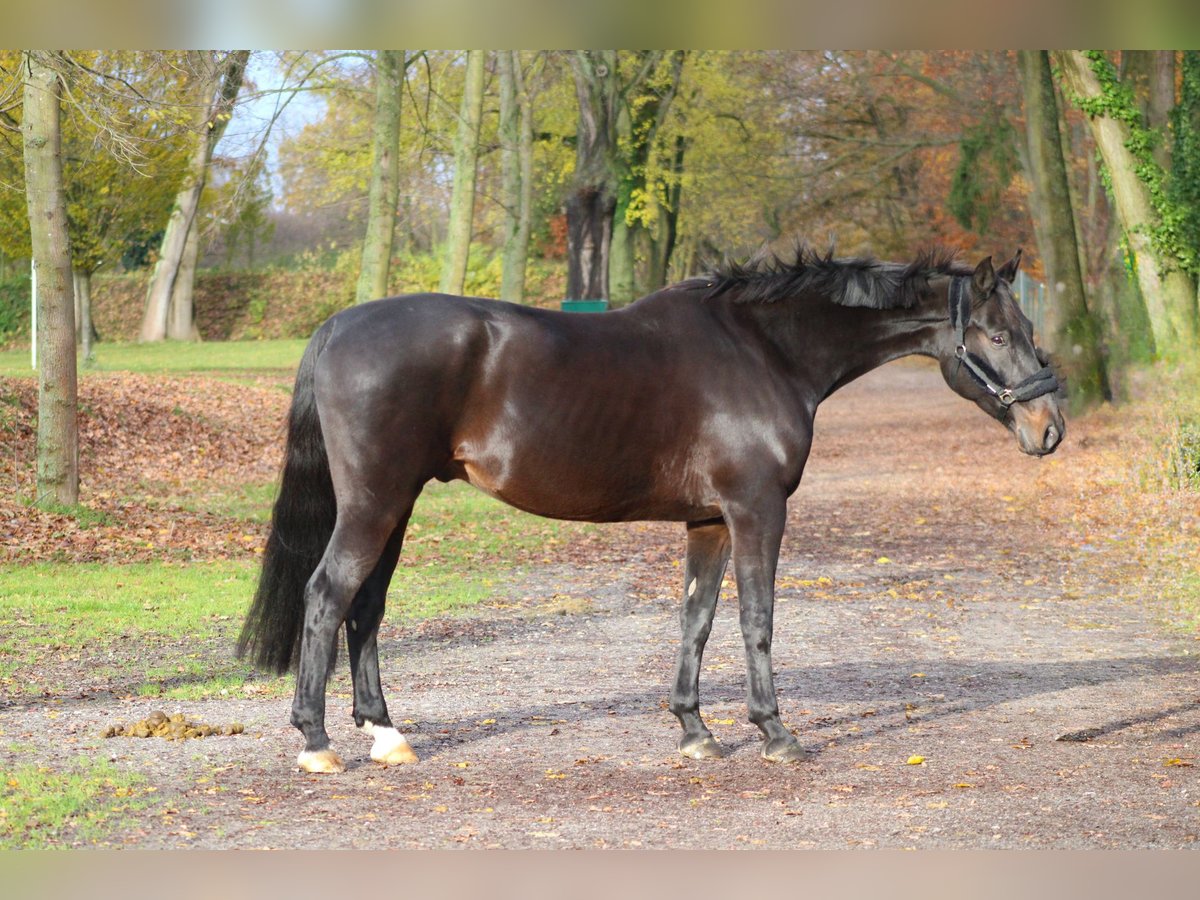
x=757 y=532
x=707 y=556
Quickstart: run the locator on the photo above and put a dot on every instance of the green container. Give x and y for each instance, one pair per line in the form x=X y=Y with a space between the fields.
x=584 y=305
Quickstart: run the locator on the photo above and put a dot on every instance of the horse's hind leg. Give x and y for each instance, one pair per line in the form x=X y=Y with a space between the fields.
x=707 y=555
x=353 y=552
x=362 y=632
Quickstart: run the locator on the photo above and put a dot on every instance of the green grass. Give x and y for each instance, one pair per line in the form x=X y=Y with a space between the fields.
x=87 y=604
x=42 y=807
x=84 y=515
x=68 y=620
x=164 y=629
x=247 y=502
x=205 y=688
x=1189 y=594
x=176 y=357
x=459 y=525
x=1178 y=427
x=423 y=594
x=460 y=545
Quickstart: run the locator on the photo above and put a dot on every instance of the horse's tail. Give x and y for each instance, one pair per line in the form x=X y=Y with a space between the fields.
x=301 y=525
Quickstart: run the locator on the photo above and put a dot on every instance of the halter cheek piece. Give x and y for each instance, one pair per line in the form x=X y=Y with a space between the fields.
x=1040 y=382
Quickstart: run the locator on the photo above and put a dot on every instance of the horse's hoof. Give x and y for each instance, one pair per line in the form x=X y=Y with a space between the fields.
x=391 y=748
x=320 y=762
x=701 y=748
x=784 y=750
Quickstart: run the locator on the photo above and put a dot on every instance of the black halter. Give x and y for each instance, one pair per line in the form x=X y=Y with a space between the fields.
x=1040 y=382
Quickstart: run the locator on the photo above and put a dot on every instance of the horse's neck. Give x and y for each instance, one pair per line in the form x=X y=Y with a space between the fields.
x=880 y=336
x=831 y=345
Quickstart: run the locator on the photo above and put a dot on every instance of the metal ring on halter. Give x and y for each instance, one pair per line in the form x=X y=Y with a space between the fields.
x=960 y=351
x=1006 y=397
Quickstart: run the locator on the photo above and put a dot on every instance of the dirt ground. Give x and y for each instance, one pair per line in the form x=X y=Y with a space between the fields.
x=967 y=639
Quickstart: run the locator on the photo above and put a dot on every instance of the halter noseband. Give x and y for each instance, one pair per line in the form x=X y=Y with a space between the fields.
x=1043 y=381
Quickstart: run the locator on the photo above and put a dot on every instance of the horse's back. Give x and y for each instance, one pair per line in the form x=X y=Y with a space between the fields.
x=563 y=414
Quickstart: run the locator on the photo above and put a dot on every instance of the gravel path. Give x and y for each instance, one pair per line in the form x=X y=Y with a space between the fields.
x=929 y=605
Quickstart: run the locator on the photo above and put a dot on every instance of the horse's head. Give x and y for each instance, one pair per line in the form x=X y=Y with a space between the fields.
x=990 y=358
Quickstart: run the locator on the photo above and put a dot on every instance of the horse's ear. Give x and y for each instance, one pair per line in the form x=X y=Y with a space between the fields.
x=983 y=280
x=1008 y=271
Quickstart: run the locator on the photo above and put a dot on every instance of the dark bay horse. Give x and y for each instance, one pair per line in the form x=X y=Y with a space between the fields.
x=694 y=404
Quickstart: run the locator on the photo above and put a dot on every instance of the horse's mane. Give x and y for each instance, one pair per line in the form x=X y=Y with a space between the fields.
x=848 y=281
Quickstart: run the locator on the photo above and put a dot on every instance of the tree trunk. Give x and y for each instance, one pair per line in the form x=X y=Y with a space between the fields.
x=589 y=238
x=687 y=258
x=58 y=430
x=592 y=199
x=516 y=161
x=1113 y=296
x=1162 y=93
x=622 y=254
x=462 y=199
x=217 y=87
x=639 y=122
x=622 y=260
x=1076 y=337
x=1169 y=294
x=663 y=247
x=383 y=193
x=181 y=322
x=1151 y=74
x=75 y=274
x=1185 y=147
x=83 y=307
x=1037 y=209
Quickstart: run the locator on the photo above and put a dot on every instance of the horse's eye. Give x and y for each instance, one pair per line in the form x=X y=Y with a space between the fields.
x=999 y=340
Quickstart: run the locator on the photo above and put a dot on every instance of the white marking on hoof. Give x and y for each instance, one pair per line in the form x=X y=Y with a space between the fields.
x=320 y=762
x=692 y=587
x=390 y=747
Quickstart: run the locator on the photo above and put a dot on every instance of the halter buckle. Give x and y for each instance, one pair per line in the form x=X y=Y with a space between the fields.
x=960 y=351
x=1006 y=397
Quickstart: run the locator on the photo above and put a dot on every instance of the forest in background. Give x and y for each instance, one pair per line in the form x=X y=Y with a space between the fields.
x=192 y=212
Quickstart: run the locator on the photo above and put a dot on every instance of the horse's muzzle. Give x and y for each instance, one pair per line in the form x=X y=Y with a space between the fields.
x=1039 y=434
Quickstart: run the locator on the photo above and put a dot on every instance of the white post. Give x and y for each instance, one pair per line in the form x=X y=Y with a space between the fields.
x=33 y=313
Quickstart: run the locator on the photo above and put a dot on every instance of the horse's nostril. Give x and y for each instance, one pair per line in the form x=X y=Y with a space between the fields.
x=1051 y=438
